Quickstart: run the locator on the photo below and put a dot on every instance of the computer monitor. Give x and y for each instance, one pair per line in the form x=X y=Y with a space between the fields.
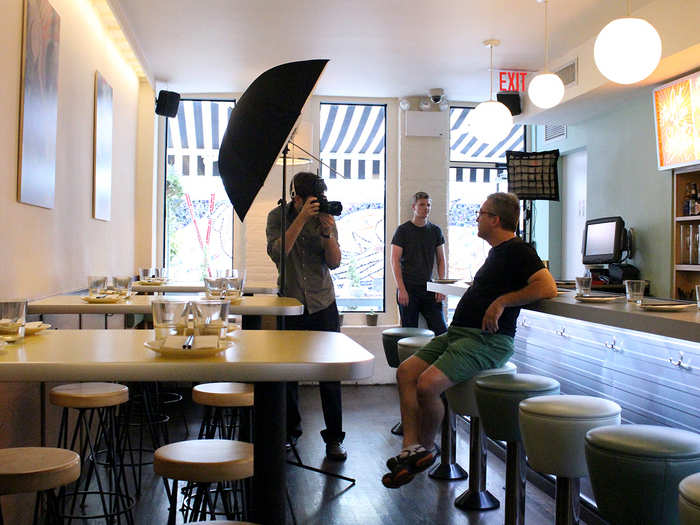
x=604 y=240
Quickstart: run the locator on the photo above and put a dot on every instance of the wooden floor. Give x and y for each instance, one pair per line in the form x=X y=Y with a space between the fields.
x=368 y=412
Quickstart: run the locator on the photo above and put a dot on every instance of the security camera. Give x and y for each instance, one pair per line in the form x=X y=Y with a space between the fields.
x=436 y=95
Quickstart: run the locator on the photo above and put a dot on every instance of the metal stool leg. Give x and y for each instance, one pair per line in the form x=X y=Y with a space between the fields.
x=567 y=501
x=477 y=497
x=515 y=483
x=448 y=469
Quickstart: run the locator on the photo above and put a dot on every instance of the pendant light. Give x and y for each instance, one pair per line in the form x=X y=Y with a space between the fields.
x=546 y=90
x=627 y=50
x=491 y=121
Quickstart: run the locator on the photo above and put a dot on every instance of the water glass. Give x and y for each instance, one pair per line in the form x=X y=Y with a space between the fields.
x=170 y=317
x=13 y=315
x=122 y=284
x=210 y=318
x=161 y=273
x=215 y=287
x=634 y=290
x=146 y=273
x=97 y=284
x=583 y=285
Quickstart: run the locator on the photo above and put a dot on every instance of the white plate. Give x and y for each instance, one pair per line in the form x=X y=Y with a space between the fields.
x=194 y=352
x=152 y=282
x=35 y=327
x=110 y=299
x=595 y=298
x=445 y=281
x=665 y=307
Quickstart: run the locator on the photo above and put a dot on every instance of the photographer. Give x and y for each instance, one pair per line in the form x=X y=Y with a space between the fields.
x=312 y=250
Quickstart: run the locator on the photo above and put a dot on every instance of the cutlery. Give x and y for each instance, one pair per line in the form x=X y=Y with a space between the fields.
x=188 y=343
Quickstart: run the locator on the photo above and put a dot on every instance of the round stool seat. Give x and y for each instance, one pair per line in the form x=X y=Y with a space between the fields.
x=89 y=395
x=689 y=500
x=554 y=430
x=205 y=460
x=461 y=396
x=391 y=336
x=33 y=469
x=408 y=346
x=498 y=397
x=224 y=394
x=635 y=471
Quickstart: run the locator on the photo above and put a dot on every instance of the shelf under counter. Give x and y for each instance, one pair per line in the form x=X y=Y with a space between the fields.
x=688 y=267
x=688 y=218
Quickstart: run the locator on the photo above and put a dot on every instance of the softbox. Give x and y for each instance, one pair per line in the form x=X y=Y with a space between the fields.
x=533 y=175
x=260 y=126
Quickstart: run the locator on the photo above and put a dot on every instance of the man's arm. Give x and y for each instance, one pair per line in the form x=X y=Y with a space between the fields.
x=442 y=268
x=540 y=285
x=396 y=253
x=329 y=239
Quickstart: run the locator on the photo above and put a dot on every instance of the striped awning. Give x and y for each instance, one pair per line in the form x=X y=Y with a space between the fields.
x=478 y=174
x=465 y=147
x=353 y=140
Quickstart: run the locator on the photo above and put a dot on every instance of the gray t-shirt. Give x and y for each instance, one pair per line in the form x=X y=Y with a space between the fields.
x=418 y=256
x=308 y=277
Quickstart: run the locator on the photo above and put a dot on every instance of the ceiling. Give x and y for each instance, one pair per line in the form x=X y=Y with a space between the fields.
x=377 y=48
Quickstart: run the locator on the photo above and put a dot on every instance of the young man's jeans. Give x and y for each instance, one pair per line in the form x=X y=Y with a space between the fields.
x=422 y=301
x=326 y=320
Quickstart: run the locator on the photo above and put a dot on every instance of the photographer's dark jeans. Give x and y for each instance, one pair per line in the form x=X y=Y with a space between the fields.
x=422 y=301
x=326 y=320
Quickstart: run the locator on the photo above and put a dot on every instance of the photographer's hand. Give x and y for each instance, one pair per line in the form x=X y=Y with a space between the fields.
x=310 y=208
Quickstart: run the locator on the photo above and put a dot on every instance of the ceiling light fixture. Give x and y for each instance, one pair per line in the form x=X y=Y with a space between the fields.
x=405 y=104
x=491 y=121
x=546 y=90
x=627 y=50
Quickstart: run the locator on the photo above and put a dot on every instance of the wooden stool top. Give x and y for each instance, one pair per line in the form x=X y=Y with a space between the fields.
x=205 y=460
x=31 y=469
x=224 y=394
x=89 y=395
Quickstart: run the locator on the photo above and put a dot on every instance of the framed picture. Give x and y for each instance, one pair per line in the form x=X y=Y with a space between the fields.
x=102 y=151
x=36 y=170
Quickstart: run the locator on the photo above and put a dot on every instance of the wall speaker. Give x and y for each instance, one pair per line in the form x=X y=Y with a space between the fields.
x=167 y=103
x=511 y=101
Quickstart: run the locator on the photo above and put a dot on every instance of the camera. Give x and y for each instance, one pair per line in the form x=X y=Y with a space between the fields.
x=325 y=206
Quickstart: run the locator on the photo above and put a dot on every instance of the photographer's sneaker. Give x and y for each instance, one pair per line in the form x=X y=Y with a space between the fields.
x=335 y=451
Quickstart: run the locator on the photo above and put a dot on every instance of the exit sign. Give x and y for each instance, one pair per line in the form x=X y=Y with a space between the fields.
x=511 y=80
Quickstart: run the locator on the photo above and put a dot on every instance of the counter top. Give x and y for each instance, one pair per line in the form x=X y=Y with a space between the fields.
x=684 y=324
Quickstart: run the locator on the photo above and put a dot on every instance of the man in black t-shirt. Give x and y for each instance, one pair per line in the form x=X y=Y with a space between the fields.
x=480 y=335
x=415 y=247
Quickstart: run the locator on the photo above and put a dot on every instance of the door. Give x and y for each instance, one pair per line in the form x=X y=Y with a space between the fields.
x=573 y=212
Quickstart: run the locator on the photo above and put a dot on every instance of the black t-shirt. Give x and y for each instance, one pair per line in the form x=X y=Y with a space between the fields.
x=506 y=269
x=418 y=257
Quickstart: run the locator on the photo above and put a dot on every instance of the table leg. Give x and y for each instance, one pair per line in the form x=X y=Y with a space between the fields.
x=42 y=412
x=251 y=322
x=270 y=476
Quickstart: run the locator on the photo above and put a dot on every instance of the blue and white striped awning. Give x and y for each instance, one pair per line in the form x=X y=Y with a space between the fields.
x=465 y=147
x=478 y=174
x=353 y=140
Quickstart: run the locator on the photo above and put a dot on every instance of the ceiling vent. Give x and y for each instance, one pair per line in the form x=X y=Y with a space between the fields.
x=554 y=132
x=569 y=73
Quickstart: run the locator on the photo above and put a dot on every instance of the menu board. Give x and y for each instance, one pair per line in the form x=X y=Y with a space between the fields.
x=677 y=118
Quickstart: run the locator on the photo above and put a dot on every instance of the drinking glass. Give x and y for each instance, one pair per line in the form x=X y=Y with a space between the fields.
x=170 y=317
x=146 y=273
x=161 y=273
x=13 y=315
x=583 y=285
x=122 y=284
x=697 y=294
x=211 y=318
x=215 y=287
x=634 y=290
x=227 y=272
x=96 y=284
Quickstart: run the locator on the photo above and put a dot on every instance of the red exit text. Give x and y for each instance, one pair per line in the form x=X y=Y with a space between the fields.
x=511 y=80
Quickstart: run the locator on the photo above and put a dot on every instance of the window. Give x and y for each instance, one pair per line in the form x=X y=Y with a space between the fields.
x=476 y=169
x=353 y=142
x=198 y=213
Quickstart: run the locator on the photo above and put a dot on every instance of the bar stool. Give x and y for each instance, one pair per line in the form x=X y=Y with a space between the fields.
x=498 y=397
x=463 y=402
x=40 y=470
x=554 y=430
x=689 y=500
x=390 y=338
x=203 y=462
x=635 y=471
x=96 y=404
x=227 y=409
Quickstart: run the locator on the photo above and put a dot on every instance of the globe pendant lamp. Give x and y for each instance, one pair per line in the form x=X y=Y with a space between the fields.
x=627 y=50
x=491 y=121
x=546 y=90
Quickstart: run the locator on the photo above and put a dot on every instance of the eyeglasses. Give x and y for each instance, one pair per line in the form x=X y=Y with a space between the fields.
x=480 y=213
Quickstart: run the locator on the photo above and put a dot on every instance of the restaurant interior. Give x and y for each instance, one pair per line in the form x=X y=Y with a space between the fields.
x=115 y=112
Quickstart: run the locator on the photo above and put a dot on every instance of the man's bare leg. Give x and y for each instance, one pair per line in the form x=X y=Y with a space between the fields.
x=431 y=383
x=407 y=377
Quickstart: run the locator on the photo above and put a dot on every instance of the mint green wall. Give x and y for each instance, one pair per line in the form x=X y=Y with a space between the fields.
x=622 y=180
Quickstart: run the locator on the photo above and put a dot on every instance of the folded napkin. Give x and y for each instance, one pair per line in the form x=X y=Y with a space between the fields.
x=200 y=341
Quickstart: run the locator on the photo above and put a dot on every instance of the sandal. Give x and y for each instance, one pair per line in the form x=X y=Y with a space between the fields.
x=397 y=478
x=419 y=461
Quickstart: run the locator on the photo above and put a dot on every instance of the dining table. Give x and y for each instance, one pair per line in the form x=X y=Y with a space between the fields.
x=267 y=358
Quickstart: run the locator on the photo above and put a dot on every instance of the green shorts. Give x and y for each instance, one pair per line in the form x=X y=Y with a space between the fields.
x=461 y=352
